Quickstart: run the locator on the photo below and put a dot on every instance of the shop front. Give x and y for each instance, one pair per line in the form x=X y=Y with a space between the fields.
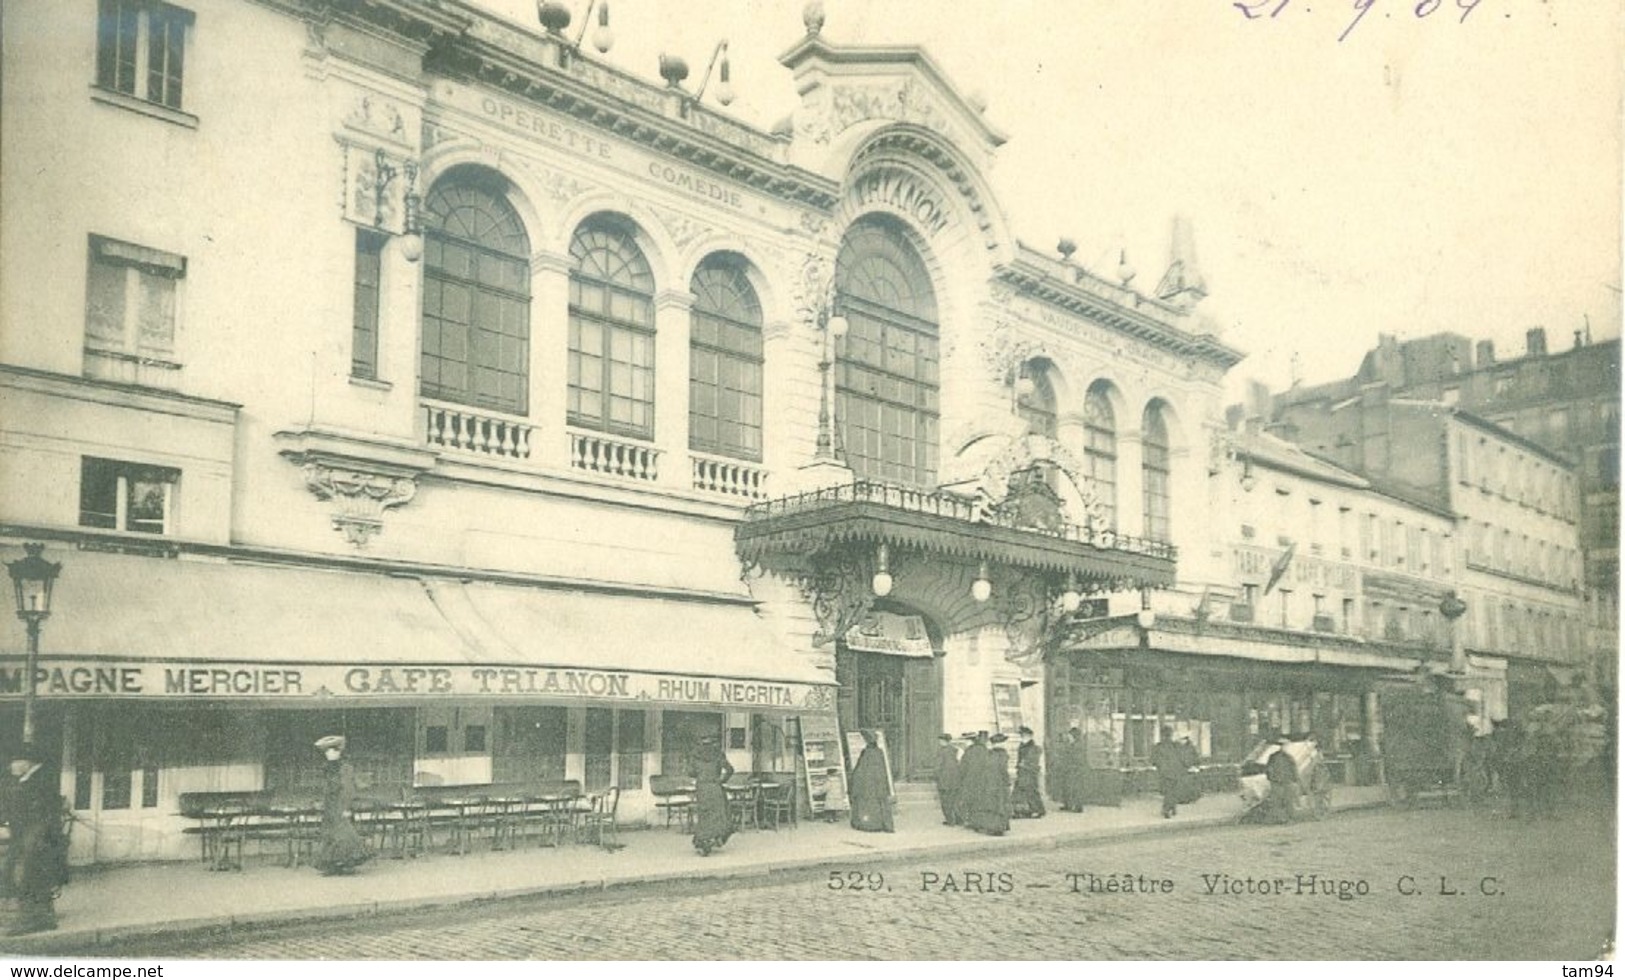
x=1121 y=686
x=434 y=683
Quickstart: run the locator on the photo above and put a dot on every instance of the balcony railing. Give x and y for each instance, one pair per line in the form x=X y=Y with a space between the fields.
x=955 y=507
x=595 y=452
x=465 y=430
x=730 y=477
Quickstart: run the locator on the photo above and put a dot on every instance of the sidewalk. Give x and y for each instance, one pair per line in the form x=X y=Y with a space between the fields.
x=111 y=904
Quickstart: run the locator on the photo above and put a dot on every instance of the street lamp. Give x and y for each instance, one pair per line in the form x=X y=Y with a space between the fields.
x=33 y=578
x=1452 y=608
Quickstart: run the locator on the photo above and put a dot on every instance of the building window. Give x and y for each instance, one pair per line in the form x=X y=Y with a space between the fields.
x=725 y=362
x=612 y=332
x=1100 y=449
x=130 y=300
x=1368 y=537
x=141 y=49
x=369 y=246
x=122 y=496
x=1348 y=615
x=476 y=297
x=1037 y=407
x=1286 y=607
x=886 y=381
x=1155 y=468
x=629 y=749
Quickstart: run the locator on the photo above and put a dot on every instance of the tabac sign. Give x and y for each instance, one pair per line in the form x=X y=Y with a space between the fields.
x=244 y=681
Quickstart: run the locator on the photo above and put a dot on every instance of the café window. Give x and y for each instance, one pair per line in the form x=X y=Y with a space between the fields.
x=886 y=370
x=141 y=49
x=725 y=361
x=123 y=496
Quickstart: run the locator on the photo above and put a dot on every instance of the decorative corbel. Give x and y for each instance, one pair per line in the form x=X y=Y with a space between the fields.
x=362 y=498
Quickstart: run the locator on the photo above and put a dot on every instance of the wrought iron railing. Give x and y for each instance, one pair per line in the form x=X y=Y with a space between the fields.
x=953 y=506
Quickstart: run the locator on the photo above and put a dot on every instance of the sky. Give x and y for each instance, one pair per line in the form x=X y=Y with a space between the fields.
x=1346 y=174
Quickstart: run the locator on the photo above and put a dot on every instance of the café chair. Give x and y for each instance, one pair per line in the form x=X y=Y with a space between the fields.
x=674 y=795
x=598 y=824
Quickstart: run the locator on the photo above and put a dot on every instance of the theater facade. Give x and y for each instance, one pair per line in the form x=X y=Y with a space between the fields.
x=427 y=378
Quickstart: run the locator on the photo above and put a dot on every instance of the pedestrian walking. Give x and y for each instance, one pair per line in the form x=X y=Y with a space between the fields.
x=36 y=860
x=1170 y=765
x=713 y=824
x=1069 y=765
x=1281 y=770
x=871 y=788
x=1001 y=777
x=948 y=779
x=979 y=804
x=341 y=849
x=1026 y=799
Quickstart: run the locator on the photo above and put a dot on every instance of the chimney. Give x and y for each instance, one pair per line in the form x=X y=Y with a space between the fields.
x=1579 y=339
x=1486 y=353
x=1535 y=338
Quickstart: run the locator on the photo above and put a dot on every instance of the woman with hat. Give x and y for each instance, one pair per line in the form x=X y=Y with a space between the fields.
x=871 y=788
x=36 y=861
x=713 y=824
x=1025 y=799
x=1001 y=782
x=341 y=849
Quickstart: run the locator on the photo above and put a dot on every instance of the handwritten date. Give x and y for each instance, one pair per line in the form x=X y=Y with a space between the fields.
x=1422 y=9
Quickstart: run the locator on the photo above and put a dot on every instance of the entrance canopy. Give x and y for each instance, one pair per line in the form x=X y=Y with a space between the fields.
x=142 y=627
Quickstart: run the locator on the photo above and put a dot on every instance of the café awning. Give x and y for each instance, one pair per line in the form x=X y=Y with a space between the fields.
x=165 y=627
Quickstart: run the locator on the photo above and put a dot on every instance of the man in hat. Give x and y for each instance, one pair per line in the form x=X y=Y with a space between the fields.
x=948 y=779
x=36 y=861
x=1025 y=799
x=1170 y=764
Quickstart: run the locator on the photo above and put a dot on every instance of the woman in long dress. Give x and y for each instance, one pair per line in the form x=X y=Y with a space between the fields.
x=871 y=788
x=1000 y=767
x=1026 y=800
x=342 y=848
x=713 y=824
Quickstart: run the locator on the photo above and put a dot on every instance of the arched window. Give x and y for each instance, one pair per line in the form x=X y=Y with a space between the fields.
x=725 y=362
x=612 y=332
x=1037 y=407
x=1100 y=450
x=1154 y=472
x=476 y=297
x=886 y=375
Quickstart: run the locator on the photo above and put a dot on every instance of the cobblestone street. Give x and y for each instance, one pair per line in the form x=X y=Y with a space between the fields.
x=1428 y=884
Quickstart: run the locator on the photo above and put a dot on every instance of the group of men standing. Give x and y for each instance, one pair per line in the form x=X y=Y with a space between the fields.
x=975 y=788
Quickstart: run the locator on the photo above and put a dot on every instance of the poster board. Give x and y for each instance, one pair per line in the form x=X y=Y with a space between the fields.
x=823 y=770
x=1007 y=708
x=854 y=748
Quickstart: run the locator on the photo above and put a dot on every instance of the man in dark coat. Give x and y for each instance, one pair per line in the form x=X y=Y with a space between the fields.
x=977 y=806
x=1281 y=769
x=1026 y=800
x=1170 y=763
x=1070 y=762
x=35 y=860
x=948 y=779
x=871 y=792
x=1000 y=767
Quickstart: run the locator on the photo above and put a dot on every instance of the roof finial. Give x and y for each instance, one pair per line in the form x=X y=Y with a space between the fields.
x=1182 y=284
x=812 y=15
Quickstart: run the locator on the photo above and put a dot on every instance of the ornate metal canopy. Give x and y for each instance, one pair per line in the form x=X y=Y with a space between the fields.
x=829 y=541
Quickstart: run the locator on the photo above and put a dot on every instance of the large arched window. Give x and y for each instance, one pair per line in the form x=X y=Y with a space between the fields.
x=1100 y=450
x=1037 y=406
x=1154 y=471
x=725 y=362
x=886 y=375
x=476 y=297
x=612 y=332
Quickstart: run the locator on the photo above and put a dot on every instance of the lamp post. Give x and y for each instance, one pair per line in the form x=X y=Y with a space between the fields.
x=32 y=577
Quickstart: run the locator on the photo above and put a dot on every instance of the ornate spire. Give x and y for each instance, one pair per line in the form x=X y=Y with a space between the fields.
x=1182 y=284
